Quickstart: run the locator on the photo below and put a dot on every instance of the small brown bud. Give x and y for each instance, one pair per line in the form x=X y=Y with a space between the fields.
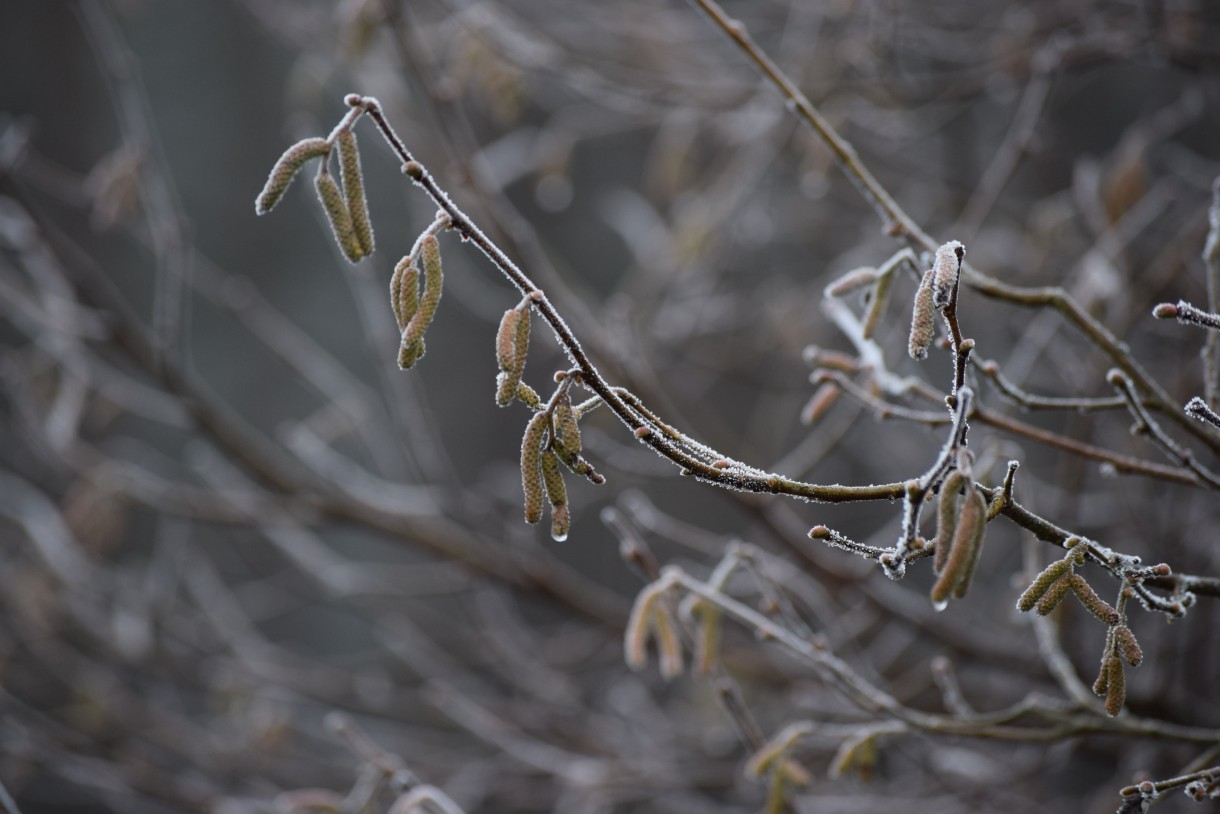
x=413 y=170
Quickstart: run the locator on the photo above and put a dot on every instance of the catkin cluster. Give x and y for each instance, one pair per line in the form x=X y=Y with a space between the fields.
x=345 y=206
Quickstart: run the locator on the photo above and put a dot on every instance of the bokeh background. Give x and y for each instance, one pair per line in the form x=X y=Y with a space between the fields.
x=226 y=515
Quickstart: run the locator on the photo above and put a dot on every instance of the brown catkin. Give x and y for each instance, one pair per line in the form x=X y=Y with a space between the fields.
x=1116 y=686
x=285 y=169
x=1053 y=595
x=958 y=572
x=506 y=346
x=1041 y=583
x=531 y=466
x=340 y=219
x=434 y=278
x=353 y=190
x=821 y=401
x=946 y=518
x=971 y=526
x=946 y=269
x=1092 y=602
x=923 y=319
x=1127 y=646
x=404 y=292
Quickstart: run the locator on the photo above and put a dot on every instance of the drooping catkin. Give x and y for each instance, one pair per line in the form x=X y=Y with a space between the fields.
x=1053 y=595
x=639 y=625
x=340 y=219
x=409 y=354
x=946 y=518
x=876 y=305
x=1041 y=584
x=404 y=291
x=1092 y=602
x=1116 y=686
x=434 y=278
x=821 y=401
x=958 y=572
x=531 y=465
x=353 y=189
x=859 y=754
x=669 y=642
x=923 y=319
x=946 y=269
x=1127 y=646
x=566 y=427
x=557 y=493
x=512 y=345
x=285 y=169
x=856 y=278
x=971 y=526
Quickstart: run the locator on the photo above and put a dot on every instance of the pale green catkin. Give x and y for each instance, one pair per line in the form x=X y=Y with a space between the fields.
x=557 y=493
x=1041 y=583
x=923 y=320
x=409 y=354
x=531 y=466
x=434 y=278
x=876 y=306
x=566 y=426
x=404 y=292
x=353 y=190
x=285 y=169
x=337 y=214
